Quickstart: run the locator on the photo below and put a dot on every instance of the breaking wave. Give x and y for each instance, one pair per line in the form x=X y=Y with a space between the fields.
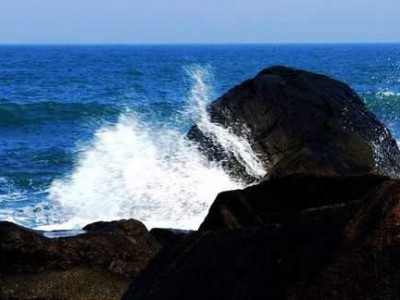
x=135 y=170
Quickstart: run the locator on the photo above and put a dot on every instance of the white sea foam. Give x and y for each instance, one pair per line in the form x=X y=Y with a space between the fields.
x=387 y=94
x=154 y=175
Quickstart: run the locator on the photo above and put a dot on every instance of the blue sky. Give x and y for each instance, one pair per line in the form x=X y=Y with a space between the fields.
x=205 y=21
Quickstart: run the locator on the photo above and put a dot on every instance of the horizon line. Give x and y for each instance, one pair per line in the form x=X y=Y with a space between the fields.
x=192 y=43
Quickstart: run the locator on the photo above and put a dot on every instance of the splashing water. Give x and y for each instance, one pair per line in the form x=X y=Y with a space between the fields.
x=238 y=146
x=156 y=176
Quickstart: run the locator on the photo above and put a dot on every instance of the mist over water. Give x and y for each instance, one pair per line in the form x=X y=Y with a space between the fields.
x=155 y=175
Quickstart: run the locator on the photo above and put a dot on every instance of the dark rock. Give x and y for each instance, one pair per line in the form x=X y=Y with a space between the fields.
x=367 y=263
x=168 y=237
x=324 y=223
x=286 y=200
x=229 y=264
x=302 y=123
x=83 y=282
x=343 y=250
x=96 y=265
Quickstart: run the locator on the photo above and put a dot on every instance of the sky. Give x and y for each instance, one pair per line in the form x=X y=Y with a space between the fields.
x=205 y=21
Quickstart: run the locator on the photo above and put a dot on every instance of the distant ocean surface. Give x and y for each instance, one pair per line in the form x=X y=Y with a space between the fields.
x=92 y=133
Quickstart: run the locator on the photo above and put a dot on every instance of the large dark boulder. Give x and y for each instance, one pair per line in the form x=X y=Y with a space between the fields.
x=287 y=200
x=345 y=249
x=323 y=224
x=301 y=123
x=98 y=264
x=250 y=263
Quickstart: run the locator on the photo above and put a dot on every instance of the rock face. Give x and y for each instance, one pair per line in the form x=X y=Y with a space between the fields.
x=302 y=123
x=99 y=264
x=324 y=223
x=366 y=264
x=288 y=200
x=168 y=238
x=347 y=249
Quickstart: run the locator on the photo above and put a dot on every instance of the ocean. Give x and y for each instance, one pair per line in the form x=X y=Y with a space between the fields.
x=91 y=133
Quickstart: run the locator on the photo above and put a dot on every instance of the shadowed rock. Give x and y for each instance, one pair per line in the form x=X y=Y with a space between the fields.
x=287 y=199
x=168 y=237
x=99 y=264
x=301 y=123
x=367 y=264
x=346 y=251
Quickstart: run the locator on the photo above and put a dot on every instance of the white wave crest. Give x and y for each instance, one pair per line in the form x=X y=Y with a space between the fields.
x=386 y=93
x=154 y=175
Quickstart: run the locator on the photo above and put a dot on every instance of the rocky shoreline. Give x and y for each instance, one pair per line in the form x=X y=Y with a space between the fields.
x=323 y=224
x=95 y=265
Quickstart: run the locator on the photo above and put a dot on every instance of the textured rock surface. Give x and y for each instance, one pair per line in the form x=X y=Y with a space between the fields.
x=303 y=123
x=347 y=251
x=96 y=265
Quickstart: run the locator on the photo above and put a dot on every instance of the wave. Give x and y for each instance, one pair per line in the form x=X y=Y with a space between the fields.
x=386 y=106
x=26 y=114
x=383 y=100
x=387 y=93
x=153 y=174
x=26 y=206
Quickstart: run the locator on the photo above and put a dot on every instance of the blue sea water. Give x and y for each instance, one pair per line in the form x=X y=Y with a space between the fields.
x=97 y=132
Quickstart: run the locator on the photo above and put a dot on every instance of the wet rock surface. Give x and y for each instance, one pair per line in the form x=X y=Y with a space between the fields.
x=301 y=123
